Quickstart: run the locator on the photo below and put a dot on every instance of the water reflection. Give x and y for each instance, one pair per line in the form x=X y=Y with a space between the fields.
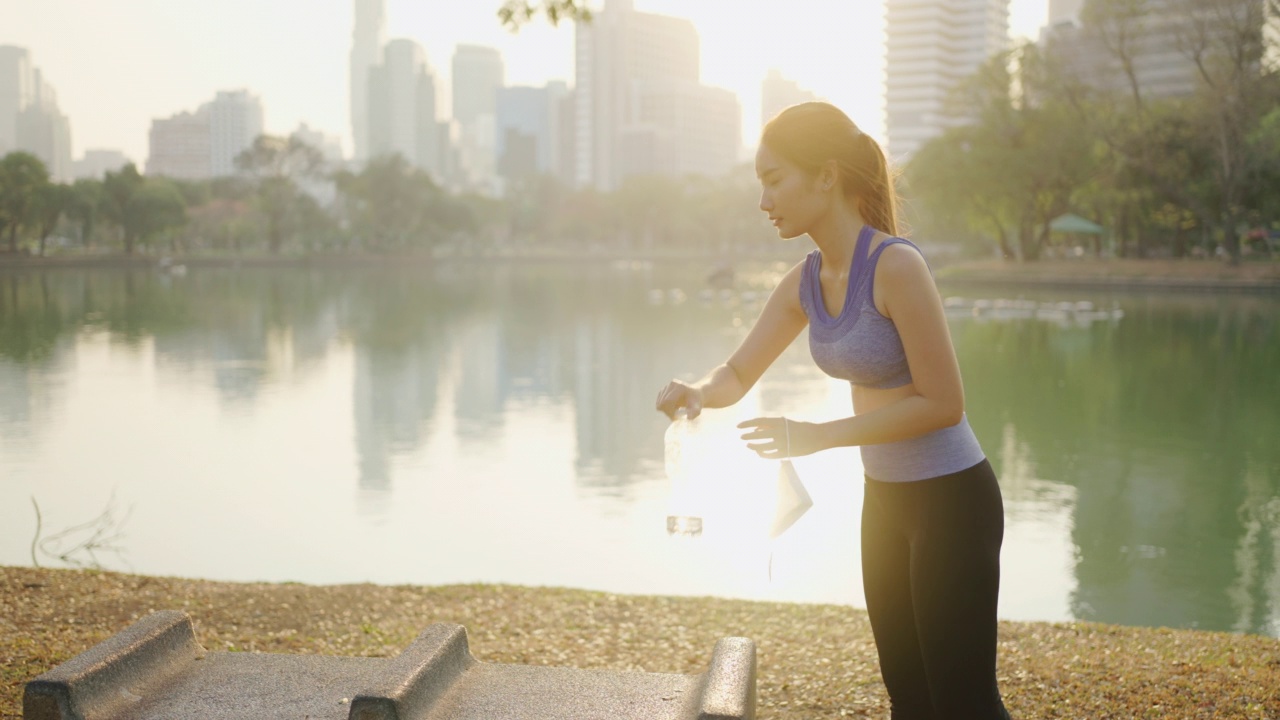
x=1164 y=426
x=514 y=405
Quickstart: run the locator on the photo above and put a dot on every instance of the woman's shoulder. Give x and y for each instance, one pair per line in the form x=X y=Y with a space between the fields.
x=901 y=260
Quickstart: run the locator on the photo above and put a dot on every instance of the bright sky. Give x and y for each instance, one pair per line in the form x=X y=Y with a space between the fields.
x=118 y=64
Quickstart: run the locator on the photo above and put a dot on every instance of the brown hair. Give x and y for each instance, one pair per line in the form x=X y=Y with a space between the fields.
x=811 y=133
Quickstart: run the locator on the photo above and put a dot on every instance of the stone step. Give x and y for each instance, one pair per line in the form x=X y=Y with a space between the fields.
x=155 y=669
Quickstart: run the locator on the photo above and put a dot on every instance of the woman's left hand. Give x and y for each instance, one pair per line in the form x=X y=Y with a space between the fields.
x=775 y=438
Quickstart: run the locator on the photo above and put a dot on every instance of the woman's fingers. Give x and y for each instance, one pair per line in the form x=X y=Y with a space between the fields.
x=766 y=430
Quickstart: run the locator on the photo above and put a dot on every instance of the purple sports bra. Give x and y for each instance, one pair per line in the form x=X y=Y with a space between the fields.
x=862 y=346
x=859 y=345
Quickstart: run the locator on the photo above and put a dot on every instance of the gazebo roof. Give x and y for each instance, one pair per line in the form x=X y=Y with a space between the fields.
x=1072 y=223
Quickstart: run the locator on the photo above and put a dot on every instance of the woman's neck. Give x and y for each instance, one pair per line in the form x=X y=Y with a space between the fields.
x=836 y=236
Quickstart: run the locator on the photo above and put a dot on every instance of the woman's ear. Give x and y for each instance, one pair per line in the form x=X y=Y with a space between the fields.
x=828 y=175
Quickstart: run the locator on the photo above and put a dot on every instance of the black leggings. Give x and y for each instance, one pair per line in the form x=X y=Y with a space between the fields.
x=931 y=573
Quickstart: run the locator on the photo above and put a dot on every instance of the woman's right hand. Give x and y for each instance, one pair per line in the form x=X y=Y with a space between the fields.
x=678 y=395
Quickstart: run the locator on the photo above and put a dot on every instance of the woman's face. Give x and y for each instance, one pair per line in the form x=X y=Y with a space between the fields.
x=792 y=198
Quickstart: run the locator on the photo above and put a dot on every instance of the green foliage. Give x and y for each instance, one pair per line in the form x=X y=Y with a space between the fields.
x=23 y=178
x=514 y=14
x=1036 y=137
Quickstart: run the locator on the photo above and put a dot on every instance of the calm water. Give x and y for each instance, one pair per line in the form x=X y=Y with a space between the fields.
x=469 y=424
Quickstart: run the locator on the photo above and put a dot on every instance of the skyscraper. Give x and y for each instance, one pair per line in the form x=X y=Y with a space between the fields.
x=366 y=53
x=638 y=100
x=44 y=131
x=178 y=146
x=30 y=120
x=931 y=46
x=1160 y=45
x=778 y=93
x=1064 y=11
x=402 y=108
x=235 y=121
x=15 y=93
x=478 y=73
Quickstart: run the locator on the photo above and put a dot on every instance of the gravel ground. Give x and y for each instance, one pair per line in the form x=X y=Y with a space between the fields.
x=815 y=661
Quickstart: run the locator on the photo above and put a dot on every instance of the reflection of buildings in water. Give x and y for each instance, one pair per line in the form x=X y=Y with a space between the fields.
x=481 y=388
x=239 y=359
x=1255 y=594
x=1152 y=550
x=27 y=399
x=621 y=357
x=395 y=398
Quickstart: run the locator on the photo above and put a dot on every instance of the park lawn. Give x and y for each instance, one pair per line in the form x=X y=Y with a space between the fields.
x=815 y=661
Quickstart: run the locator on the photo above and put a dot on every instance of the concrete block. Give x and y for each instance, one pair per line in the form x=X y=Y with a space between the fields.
x=156 y=670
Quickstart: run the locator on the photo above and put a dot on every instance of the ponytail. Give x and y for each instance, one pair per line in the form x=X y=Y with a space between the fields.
x=811 y=133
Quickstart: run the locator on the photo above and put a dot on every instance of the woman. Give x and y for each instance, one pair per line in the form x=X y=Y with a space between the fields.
x=932 y=516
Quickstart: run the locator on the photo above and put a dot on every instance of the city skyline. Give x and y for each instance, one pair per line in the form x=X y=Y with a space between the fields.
x=180 y=53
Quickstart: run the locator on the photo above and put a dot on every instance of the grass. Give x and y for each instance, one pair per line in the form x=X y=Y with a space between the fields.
x=815 y=661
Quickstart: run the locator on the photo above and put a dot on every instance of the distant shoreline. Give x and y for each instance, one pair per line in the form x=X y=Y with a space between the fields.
x=1118 y=274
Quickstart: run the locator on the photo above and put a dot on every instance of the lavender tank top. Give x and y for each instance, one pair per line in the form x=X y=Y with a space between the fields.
x=862 y=346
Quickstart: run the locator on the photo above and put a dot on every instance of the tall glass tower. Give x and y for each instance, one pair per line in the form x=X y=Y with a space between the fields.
x=366 y=52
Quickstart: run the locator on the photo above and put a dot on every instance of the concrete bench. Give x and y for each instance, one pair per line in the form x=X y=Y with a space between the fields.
x=155 y=669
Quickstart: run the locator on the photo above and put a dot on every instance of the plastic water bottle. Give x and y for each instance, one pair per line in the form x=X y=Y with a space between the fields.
x=684 y=517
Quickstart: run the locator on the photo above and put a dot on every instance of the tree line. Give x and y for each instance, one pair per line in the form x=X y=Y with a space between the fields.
x=1171 y=176
x=286 y=200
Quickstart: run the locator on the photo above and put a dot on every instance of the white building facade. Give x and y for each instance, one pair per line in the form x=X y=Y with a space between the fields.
x=178 y=146
x=477 y=75
x=367 y=39
x=639 y=106
x=235 y=121
x=30 y=120
x=931 y=46
x=402 y=108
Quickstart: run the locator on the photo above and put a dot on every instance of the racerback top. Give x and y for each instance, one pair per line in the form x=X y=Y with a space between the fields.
x=862 y=346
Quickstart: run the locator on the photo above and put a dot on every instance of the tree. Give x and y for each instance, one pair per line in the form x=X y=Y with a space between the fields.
x=391 y=205
x=1225 y=39
x=22 y=177
x=142 y=208
x=1016 y=165
x=84 y=207
x=155 y=207
x=118 y=189
x=513 y=14
x=277 y=165
x=51 y=201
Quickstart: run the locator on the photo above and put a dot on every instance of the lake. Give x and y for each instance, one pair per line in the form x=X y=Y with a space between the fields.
x=464 y=423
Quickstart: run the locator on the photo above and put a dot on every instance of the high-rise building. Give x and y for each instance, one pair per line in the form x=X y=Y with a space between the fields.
x=528 y=130
x=30 y=120
x=931 y=46
x=97 y=163
x=478 y=73
x=637 y=92
x=680 y=128
x=1159 y=45
x=366 y=53
x=1065 y=11
x=778 y=93
x=178 y=146
x=402 y=108
x=44 y=131
x=15 y=93
x=330 y=147
x=235 y=121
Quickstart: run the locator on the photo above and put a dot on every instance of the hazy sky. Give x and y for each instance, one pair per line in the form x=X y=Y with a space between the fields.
x=116 y=64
